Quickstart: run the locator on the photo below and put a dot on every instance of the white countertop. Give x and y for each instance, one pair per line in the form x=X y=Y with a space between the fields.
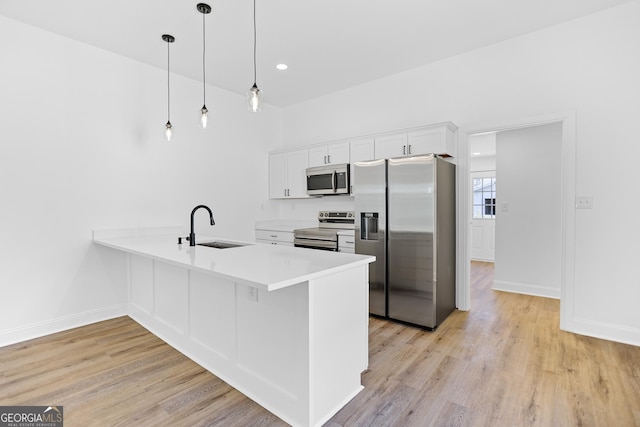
x=268 y=267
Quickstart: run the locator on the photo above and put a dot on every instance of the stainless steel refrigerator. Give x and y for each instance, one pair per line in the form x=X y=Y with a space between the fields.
x=405 y=216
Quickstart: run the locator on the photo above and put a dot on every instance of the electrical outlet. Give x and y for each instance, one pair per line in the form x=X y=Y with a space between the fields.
x=584 y=202
x=252 y=294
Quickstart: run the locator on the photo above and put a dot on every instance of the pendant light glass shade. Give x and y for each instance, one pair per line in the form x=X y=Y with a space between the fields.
x=168 y=128
x=203 y=116
x=254 y=96
x=205 y=9
x=168 y=131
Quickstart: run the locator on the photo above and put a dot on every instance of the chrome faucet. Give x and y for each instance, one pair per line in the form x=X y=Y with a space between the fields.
x=192 y=235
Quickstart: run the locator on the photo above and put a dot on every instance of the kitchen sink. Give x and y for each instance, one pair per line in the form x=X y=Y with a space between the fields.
x=221 y=245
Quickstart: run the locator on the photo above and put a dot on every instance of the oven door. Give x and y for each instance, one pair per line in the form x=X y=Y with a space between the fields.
x=325 y=180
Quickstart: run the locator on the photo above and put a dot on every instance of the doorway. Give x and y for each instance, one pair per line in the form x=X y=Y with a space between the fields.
x=565 y=152
x=482 y=168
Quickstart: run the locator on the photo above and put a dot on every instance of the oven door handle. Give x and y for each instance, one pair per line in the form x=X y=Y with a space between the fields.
x=302 y=242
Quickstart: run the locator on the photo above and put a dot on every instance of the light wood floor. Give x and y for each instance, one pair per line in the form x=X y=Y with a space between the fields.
x=504 y=363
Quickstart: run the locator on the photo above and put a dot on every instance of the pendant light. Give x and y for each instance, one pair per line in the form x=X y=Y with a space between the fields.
x=254 y=94
x=205 y=9
x=168 y=131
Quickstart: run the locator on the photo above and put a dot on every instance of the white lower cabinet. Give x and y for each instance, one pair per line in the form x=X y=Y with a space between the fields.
x=346 y=244
x=298 y=351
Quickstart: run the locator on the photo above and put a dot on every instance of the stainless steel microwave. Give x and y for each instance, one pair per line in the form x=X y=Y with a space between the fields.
x=328 y=180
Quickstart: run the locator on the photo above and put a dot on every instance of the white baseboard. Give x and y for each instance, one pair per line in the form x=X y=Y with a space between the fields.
x=36 y=330
x=526 y=288
x=607 y=331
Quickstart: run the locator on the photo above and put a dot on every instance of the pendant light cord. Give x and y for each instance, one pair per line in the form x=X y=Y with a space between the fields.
x=168 y=87
x=204 y=50
x=254 y=42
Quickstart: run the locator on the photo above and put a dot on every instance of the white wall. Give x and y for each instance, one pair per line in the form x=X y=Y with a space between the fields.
x=83 y=147
x=528 y=233
x=590 y=66
x=483 y=163
x=307 y=209
x=485 y=144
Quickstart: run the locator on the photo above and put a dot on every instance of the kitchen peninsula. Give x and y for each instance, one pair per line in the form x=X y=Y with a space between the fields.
x=288 y=327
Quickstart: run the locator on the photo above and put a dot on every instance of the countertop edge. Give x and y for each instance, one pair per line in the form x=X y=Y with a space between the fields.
x=261 y=286
x=111 y=242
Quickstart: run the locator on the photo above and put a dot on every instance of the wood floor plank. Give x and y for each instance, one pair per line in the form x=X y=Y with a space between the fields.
x=505 y=362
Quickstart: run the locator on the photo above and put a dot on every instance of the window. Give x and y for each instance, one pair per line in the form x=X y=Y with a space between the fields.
x=484 y=198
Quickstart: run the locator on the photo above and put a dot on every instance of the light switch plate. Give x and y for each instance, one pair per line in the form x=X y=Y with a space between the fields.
x=252 y=294
x=584 y=202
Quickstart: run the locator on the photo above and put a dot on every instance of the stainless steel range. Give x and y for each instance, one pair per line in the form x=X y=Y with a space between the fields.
x=325 y=236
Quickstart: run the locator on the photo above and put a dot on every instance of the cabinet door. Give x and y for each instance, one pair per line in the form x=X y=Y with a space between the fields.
x=338 y=152
x=426 y=141
x=297 y=164
x=360 y=150
x=333 y=153
x=278 y=176
x=318 y=156
x=391 y=146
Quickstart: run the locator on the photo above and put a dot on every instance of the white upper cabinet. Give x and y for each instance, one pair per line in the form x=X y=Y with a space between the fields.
x=287 y=174
x=391 y=146
x=327 y=154
x=278 y=182
x=287 y=169
x=362 y=149
x=438 y=139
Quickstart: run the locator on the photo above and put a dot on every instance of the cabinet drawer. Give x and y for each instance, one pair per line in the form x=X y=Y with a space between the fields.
x=272 y=242
x=346 y=242
x=278 y=236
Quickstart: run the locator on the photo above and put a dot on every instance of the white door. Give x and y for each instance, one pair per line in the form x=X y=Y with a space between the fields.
x=483 y=222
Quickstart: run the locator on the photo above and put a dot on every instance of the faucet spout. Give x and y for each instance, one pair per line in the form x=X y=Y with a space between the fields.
x=192 y=235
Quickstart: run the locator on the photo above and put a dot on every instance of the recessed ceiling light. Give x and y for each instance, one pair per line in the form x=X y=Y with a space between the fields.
x=282 y=67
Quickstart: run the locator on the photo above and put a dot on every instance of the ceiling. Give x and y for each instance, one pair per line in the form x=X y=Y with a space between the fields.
x=329 y=45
